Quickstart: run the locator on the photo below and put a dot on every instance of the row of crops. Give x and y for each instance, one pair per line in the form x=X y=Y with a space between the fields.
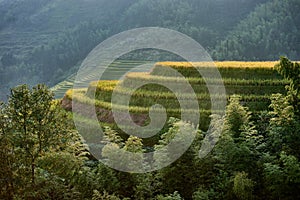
x=113 y=72
x=253 y=81
x=235 y=70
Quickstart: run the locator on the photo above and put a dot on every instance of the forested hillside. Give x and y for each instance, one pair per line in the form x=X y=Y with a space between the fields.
x=46 y=40
x=169 y=133
x=256 y=157
x=271 y=30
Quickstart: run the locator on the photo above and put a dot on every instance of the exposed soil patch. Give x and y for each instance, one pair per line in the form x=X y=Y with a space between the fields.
x=103 y=115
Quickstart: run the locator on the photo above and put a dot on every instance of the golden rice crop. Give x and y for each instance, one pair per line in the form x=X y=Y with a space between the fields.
x=82 y=98
x=104 y=83
x=250 y=90
x=141 y=93
x=144 y=77
x=224 y=64
x=70 y=92
x=227 y=69
x=105 y=88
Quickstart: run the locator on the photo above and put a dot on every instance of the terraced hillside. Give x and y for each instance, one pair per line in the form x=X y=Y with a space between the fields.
x=253 y=81
x=113 y=72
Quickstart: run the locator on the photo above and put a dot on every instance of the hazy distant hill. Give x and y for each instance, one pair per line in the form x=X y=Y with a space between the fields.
x=44 y=40
x=270 y=31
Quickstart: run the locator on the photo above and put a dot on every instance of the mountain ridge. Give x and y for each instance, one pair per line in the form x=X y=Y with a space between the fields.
x=45 y=41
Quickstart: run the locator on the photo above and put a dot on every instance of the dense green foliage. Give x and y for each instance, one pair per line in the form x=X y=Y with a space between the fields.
x=39 y=150
x=261 y=35
x=46 y=40
x=42 y=157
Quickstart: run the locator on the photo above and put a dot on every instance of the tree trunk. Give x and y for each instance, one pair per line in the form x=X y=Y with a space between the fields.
x=32 y=173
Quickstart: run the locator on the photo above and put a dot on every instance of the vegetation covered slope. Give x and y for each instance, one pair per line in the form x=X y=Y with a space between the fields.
x=43 y=157
x=45 y=41
x=262 y=34
x=253 y=81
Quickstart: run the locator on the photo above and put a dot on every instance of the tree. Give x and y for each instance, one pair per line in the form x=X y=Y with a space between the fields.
x=284 y=125
x=38 y=125
x=281 y=157
x=236 y=117
x=236 y=151
x=282 y=177
x=174 y=196
x=105 y=196
x=7 y=157
x=243 y=186
x=180 y=175
x=291 y=71
x=115 y=154
x=35 y=135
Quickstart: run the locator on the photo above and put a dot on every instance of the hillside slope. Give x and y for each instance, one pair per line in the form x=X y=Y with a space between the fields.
x=45 y=40
x=270 y=31
x=253 y=81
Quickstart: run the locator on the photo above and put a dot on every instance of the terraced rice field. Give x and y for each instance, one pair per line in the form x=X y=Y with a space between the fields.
x=253 y=81
x=113 y=72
